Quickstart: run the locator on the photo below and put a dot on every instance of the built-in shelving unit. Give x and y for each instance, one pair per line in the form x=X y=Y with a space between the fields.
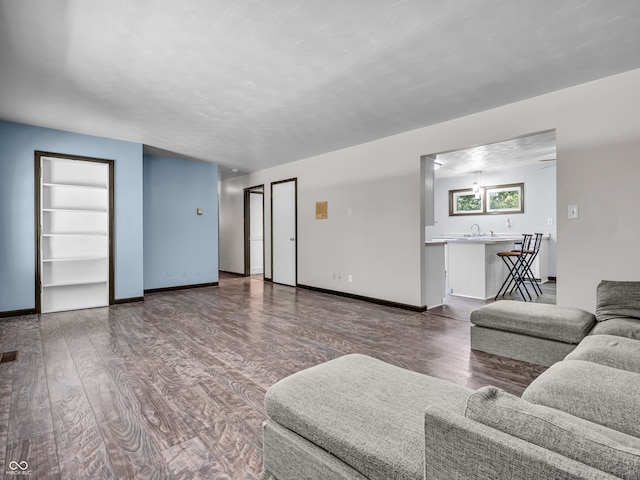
x=74 y=233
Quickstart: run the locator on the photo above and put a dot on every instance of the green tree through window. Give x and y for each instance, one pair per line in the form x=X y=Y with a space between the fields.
x=504 y=200
x=468 y=203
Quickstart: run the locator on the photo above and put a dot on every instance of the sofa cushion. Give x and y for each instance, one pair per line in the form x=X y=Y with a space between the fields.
x=564 y=324
x=616 y=299
x=366 y=412
x=609 y=350
x=573 y=437
x=604 y=395
x=620 y=327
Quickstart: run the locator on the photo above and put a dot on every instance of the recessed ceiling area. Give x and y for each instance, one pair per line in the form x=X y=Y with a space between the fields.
x=526 y=151
x=249 y=84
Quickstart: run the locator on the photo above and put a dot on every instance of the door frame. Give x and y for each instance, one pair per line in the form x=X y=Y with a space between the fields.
x=247 y=227
x=295 y=180
x=38 y=220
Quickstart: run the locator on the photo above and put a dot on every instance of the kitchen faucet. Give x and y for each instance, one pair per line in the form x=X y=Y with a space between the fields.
x=478 y=233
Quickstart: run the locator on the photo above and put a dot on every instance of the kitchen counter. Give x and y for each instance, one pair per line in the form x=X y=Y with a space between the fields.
x=473 y=267
x=435 y=283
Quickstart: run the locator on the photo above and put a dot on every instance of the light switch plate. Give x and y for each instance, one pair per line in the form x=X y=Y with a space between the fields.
x=572 y=212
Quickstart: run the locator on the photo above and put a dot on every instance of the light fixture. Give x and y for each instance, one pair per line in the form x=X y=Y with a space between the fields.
x=477 y=189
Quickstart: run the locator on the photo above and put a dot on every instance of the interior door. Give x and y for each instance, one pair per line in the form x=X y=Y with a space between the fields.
x=284 y=232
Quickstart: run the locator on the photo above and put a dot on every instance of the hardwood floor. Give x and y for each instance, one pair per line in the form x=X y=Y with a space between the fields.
x=173 y=387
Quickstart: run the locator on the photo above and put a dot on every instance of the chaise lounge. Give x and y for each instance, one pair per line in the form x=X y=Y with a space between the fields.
x=356 y=417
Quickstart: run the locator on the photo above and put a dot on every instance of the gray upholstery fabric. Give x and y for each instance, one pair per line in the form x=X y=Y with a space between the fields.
x=604 y=395
x=565 y=324
x=540 y=351
x=609 y=350
x=460 y=448
x=620 y=327
x=367 y=413
x=617 y=299
x=583 y=441
x=287 y=455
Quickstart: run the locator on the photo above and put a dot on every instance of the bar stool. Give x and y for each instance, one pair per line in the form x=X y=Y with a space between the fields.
x=516 y=263
x=531 y=255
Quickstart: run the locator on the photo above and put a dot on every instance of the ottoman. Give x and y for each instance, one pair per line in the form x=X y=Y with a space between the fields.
x=532 y=332
x=353 y=417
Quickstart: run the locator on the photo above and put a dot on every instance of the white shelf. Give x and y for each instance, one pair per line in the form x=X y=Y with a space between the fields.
x=75 y=234
x=73 y=210
x=68 y=185
x=73 y=284
x=72 y=259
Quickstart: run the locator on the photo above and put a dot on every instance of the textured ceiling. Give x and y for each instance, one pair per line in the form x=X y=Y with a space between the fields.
x=252 y=84
x=526 y=151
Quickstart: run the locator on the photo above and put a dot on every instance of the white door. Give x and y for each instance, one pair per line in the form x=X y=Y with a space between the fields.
x=283 y=232
x=74 y=234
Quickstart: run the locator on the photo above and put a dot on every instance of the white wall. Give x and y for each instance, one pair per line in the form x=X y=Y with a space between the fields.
x=344 y=244
x=539 y=206
x=598 y=139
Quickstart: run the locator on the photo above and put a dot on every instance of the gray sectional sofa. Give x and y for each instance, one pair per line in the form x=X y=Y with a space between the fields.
x=356 y=417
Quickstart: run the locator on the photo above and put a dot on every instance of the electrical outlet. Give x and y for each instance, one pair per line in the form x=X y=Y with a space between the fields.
x=549 y=221
x=350 y=278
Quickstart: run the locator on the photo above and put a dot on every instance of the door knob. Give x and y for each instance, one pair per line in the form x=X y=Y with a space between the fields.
x=292 y=239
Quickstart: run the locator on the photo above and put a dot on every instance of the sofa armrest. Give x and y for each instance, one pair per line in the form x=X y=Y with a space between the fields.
x=459 y=448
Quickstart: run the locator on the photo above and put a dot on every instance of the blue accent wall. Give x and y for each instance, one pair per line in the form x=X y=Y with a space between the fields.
x=18 y=143
x=180 y=246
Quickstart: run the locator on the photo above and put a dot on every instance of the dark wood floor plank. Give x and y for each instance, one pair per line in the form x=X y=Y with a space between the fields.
x=6 y=391
x=173 y=387
x=39 y=453
x=157 y=416
x=80 y=446
x=62 y=376
x=133 y=454
x=30 y=407
x=81 y=449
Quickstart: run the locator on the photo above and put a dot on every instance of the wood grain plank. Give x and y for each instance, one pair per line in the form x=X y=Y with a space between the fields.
x=132 y=452
x=39 y=453
x=173 y=387
x=80 y=446
x=6 y=392
x=157 y=414
x=30 y=408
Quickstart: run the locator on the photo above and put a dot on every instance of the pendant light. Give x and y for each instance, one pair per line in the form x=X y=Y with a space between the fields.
x=477 y=189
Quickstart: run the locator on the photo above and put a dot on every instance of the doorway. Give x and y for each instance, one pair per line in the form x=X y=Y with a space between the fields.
x=527 y=162
x=284 y=231
x=254 y=230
